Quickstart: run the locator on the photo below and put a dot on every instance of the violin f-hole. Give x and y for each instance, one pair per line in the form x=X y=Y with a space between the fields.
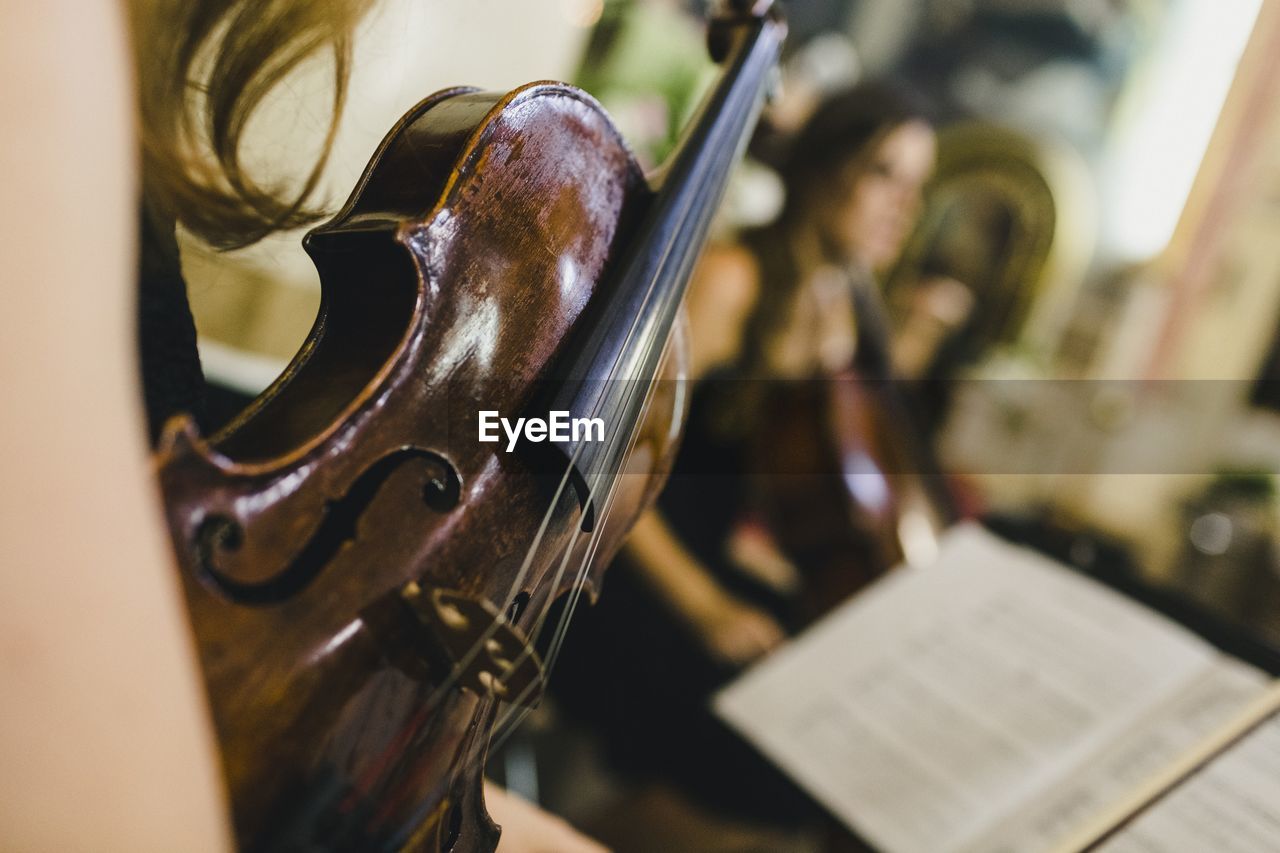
x=218 y=533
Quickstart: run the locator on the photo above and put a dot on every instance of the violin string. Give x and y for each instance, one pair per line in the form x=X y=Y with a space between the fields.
x=516 y=713
x=695 y=200
x=630 y=391
x=617 y=436
x=735 y=105
x=580 y=574
x=575 y=595
x=575 y=592
x=516 y=710
x=579 y=581
x=491 y=630
x=532 y=549
x=632 y=332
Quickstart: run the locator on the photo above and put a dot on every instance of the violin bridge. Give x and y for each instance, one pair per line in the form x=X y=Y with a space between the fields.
x=484 y=651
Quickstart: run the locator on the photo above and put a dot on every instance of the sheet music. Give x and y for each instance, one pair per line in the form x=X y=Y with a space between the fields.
x=1046 y=821
x=1231 y=806
x=947 y=698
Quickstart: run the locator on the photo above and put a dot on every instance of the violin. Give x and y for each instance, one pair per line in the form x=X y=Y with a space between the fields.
x=847 y=485
x=368 y=579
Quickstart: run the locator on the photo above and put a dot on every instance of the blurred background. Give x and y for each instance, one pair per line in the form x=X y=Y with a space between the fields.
x=1108 y=193
x=1106 y=213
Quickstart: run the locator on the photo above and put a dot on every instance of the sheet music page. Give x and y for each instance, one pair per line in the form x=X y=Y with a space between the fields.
x=1230 y=806
x=930 y=709
x=1114 y=771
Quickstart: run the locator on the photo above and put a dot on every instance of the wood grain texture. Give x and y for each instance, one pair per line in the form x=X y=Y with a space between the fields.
x=477 y=237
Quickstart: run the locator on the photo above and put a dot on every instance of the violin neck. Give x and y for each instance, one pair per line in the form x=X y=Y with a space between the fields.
x=606 y=370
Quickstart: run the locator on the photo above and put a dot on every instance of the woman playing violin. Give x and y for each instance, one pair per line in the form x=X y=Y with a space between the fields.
x=777 y=306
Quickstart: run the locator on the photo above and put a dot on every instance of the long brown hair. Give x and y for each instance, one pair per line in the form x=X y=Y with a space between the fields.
x=844 y=130
x=203 y=68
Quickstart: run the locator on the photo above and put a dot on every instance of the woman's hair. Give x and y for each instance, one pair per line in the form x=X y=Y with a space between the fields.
x=845 y=126
x=203 y=67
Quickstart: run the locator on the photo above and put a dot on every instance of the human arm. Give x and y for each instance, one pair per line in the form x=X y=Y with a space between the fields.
x=722 y=293
x=528 y=829
x=732 y=630
x=937 y=307
x=105 y=742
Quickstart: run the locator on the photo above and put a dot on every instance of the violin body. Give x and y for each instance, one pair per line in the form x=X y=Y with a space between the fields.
x=362 y=573
x=368 y=577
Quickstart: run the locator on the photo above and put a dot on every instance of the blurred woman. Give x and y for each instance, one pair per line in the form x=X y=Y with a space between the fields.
x=105 y=739
x=778 y=306
x=703 y=590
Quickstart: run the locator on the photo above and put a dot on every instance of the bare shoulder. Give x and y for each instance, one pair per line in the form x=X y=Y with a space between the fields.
x=727 y=270
x=722 y=294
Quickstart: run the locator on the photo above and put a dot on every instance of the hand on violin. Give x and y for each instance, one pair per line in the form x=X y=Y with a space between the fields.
x=528 y=829
x=735 y=632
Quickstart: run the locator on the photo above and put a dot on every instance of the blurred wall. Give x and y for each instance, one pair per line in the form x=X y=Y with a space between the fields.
x=1209 y=314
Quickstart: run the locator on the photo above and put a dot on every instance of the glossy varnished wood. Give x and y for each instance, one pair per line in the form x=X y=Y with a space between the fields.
x=497 y=250
x=475 y=294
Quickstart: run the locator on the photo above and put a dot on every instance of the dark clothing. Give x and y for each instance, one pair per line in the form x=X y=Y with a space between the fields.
x=706 y=491
x=634 y=668
x=631 y=668
x=709 y=492
x=172 y=380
